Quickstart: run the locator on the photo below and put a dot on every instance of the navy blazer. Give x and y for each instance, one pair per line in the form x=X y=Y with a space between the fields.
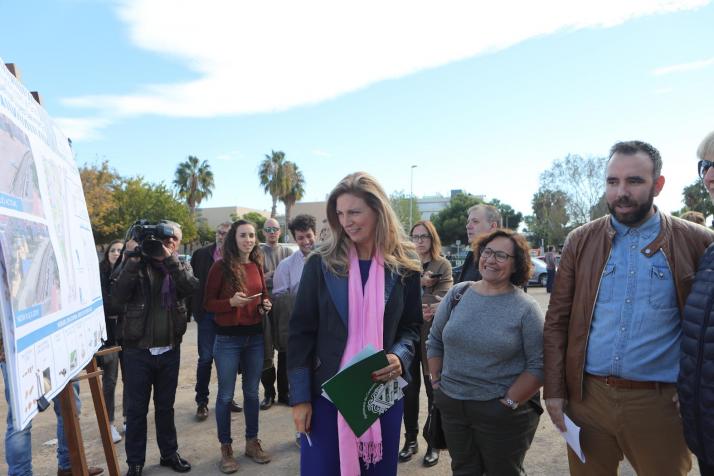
x=318 y=326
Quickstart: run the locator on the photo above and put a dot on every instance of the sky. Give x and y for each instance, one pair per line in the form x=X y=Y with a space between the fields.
x=480 y=96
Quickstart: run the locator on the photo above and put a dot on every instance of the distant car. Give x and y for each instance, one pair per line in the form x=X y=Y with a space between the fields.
x=540 y=273
x=557 y=260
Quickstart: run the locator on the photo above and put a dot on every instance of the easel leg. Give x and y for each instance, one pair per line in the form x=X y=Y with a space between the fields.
x=72 y=432
x=100 y=408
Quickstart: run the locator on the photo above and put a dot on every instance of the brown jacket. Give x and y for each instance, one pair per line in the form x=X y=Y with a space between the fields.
x=570 y=312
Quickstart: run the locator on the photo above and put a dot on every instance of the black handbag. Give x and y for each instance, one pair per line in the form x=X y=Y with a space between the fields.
x=433 y=432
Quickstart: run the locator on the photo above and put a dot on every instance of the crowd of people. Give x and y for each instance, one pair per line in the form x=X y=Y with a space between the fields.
x=625 y=349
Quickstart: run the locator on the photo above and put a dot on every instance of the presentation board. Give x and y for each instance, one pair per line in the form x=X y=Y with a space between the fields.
x=52 y=315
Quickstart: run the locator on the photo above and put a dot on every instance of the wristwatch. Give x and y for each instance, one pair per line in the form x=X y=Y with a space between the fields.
x=512 y=404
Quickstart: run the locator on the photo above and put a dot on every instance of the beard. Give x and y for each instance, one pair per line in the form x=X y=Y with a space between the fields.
x=637 y=215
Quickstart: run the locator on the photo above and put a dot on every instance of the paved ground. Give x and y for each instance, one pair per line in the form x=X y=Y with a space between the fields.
x=198 y=442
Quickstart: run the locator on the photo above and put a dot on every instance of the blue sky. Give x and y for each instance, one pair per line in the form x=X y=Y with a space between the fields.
x=480 y=97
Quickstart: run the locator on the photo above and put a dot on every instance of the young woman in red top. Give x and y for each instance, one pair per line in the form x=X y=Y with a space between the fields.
x=236 y=294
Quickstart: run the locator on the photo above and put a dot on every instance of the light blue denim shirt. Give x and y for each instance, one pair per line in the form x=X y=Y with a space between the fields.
x=635 y=329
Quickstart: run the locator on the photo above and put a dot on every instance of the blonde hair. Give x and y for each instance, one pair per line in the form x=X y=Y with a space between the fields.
x=399 y=253
x=435 y=248
x=706 y=148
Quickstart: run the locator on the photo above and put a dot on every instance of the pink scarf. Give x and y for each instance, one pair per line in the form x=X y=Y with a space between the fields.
x=365 y=325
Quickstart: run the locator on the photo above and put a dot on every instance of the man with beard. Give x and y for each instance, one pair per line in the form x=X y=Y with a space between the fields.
x=612 y=330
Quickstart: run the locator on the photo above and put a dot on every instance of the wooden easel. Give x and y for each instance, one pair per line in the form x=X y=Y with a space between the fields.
x=72 y=430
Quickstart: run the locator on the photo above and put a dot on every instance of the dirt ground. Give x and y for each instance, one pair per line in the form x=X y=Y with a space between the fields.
x=198 y=442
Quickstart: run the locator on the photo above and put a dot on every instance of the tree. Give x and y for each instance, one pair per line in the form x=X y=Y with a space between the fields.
x=99 y=184
x=582 y=180
x=511 y=218
x=401 y=204
x=194 y=181
x=450 y=222
x=206 y=234
x=294 y=190
x=137 y=199
x=549 y=221
x=696 y=198
x=271 y=173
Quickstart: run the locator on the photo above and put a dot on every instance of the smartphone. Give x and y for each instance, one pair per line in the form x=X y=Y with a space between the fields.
x=254 y=296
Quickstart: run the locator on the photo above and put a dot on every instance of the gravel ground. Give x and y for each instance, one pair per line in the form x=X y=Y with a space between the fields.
x=198 y=441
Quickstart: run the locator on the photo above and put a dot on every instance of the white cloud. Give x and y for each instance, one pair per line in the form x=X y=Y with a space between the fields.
x=81 y=128
x=683 y=67
x=253 y=57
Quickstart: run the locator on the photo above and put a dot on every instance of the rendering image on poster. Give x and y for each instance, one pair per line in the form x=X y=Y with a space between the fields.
x=19 y=188
x=31 y=267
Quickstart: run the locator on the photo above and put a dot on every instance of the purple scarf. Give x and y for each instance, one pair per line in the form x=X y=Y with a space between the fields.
x=168 y=290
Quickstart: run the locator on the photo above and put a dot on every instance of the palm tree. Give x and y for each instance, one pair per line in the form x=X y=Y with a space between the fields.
x=271 y=172
x=295 y=190
x=194 y=181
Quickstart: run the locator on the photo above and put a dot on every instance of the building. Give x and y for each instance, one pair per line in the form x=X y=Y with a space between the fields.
x=214 y=216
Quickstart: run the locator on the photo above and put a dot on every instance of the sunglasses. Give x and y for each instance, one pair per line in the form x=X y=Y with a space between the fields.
x=703 y=166
x=271 y=229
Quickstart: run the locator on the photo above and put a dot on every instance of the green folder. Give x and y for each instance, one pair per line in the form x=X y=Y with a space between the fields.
x=358 y=399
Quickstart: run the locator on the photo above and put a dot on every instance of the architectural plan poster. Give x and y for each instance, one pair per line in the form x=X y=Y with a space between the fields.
x=51 y=313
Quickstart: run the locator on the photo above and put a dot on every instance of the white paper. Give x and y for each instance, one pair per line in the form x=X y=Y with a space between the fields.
x=572 y=437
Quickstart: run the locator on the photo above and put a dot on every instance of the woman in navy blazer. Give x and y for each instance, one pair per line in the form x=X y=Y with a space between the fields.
x=362 y=221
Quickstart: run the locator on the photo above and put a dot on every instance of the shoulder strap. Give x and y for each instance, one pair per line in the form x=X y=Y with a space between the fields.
x=457 y=294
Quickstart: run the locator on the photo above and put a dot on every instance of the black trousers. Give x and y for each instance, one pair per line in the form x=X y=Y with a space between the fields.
x=144 y=372
x=704 y=469
x=486 y=437
x=269 y=376
x=411 y=396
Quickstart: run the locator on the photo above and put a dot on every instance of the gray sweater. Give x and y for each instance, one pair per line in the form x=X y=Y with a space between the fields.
x=487 y=343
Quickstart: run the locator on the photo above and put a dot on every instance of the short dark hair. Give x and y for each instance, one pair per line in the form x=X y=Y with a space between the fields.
x=631 y=147
x=303 y=222
x=521 y=255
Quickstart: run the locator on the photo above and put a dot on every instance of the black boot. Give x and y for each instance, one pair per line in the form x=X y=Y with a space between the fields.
x=431 y=457
x=135 y=470
x=409 y=449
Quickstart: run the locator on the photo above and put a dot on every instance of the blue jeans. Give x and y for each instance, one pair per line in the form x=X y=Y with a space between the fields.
x=206 y=338
x=230 y=352
x=18 y=443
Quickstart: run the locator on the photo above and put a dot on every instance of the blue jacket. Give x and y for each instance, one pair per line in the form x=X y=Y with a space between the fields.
x=318 y=326
x=696 y=370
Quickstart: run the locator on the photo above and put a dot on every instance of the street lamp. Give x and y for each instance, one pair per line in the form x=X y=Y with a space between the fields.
x=411 y=195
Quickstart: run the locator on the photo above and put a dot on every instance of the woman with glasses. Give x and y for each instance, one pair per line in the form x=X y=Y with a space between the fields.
x=359 y=288
x=485 y=353
x=237 y=295
x=436 y=279
x=696 y=369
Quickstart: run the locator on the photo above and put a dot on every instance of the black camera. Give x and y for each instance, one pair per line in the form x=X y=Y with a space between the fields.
x=150 y=237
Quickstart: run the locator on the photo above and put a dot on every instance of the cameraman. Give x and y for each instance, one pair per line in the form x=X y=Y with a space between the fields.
x=152 y=285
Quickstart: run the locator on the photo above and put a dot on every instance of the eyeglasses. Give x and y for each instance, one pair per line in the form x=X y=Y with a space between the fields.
x=271 y=229
x=500 y=256
x=703 y=166
x=417 y=238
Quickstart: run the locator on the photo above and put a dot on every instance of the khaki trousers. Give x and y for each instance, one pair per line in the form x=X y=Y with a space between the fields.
x=644 y=425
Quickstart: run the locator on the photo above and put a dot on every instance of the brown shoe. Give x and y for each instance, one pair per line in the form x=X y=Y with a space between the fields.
x=202 y=411
x=228 y=463
x=93 y=471
x=254 y=450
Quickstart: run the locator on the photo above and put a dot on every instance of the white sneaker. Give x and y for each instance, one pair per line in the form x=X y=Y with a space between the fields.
x=116 y=437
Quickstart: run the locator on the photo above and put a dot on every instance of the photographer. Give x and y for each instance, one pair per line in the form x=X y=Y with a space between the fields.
x=151 y=286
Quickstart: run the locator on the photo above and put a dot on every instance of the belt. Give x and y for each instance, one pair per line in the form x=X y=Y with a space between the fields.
x=617 y=382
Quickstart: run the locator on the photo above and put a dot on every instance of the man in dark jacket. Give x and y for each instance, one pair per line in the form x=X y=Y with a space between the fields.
x=695 y=384
x=201 y=262
x=481 y=219
x=152 y=288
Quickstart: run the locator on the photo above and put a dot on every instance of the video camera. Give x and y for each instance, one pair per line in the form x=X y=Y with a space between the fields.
x=150 y=237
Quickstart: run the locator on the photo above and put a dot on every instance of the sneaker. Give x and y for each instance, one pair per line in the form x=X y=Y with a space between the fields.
x=254 y=450
x=116 y=437
x=202 y=411
x=228 y=462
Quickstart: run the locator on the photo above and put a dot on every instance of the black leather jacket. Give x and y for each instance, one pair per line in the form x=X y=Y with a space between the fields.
x=130 y=290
